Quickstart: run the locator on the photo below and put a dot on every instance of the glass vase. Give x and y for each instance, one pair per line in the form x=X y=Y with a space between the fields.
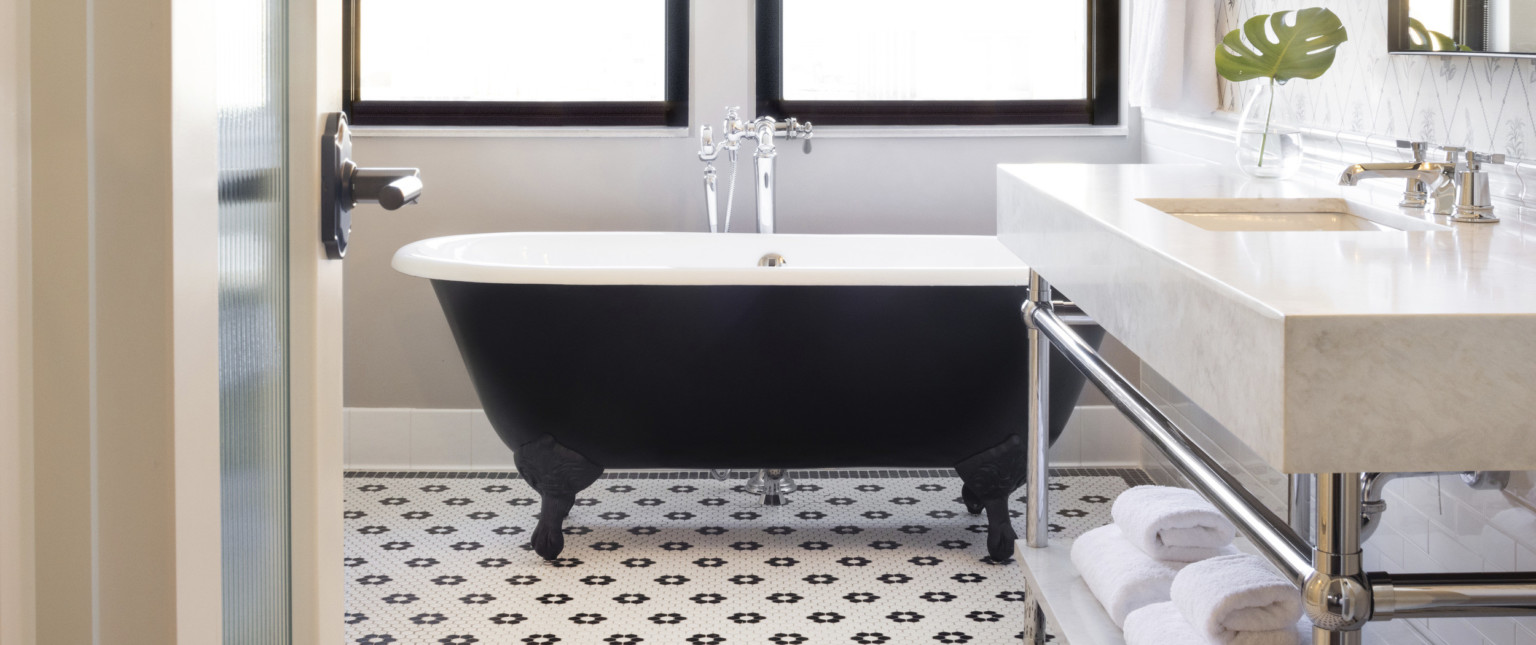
x=1268 y=134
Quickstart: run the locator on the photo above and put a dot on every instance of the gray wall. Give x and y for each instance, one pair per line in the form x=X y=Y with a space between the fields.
x=399 y=352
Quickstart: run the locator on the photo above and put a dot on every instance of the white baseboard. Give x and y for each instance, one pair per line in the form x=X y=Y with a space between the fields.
x=414 y=439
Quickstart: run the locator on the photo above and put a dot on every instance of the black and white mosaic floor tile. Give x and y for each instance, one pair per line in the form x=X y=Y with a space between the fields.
x=889 y=557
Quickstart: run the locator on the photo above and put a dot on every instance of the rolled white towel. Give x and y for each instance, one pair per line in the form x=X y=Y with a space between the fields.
x=1161 y=624
x=1121 y=576
x=1227 y=596
x=1172 y=523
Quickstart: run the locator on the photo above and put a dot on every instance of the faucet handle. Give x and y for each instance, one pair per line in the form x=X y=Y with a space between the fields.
x=1453 y=154
x=1495 y=158
x=708 y=151
x=1419 y=148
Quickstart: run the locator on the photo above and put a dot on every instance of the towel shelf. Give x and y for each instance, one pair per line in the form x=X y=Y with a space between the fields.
x=1340 y=596
x=1059 y=591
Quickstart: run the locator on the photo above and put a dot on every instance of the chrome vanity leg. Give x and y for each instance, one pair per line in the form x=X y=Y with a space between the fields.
x=1337 y=596
x=1038 y=436
x=776 y=488
x=1034 y=622
x=1299 y=507
x=754 y=483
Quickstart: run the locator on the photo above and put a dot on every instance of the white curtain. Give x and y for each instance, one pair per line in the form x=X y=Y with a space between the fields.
x=1173 y=55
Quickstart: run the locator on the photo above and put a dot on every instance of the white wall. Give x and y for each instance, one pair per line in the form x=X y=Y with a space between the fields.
x=1097 y=436
x=399 y=351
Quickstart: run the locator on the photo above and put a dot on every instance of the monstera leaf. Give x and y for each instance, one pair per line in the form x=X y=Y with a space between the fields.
x=1424 y=39
x=1285 y=50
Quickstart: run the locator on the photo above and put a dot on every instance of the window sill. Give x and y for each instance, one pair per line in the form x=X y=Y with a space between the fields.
x=967 y=131
x=661 y=132
x=515 y=132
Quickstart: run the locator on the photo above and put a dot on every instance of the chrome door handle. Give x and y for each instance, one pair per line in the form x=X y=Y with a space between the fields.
x=343 y=186
x=387 y=187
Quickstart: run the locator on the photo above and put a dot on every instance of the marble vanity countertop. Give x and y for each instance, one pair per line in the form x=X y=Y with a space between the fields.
x=1323 y=351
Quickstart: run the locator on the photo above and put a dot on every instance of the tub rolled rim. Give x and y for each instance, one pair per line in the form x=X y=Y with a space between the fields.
x=665 y=258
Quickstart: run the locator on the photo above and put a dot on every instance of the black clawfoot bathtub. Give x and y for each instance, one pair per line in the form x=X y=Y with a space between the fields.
x=675 y=350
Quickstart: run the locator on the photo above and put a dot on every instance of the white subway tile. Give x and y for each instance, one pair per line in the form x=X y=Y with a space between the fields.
x=381 y=438
x=1396 y=632
x=1519 y=523
x=1451 y=553
x=1500 y=631
x=441 y=439
x=1386 y=541
x=489 y=450
x=1525 y=558
x=1497 y=549
x=1107 y=440
x=1410 y=524
x=1524 y=636
x=1418 y=560
x=1455 y=630
x=346 y=438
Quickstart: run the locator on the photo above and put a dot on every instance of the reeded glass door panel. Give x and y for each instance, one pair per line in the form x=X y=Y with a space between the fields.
x=512 y=50
x=919 y=50
x=253 y=320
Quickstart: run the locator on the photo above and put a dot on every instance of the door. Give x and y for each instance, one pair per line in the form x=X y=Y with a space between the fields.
x=254 y=424
x=280 y=325
x=314 y=332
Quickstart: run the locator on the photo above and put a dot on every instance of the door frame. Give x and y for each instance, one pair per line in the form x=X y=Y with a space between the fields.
x=122 y=264
x=316 y=436
x=16 y=604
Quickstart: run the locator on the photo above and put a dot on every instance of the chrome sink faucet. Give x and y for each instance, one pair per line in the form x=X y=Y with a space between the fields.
x=1456 y=187
x=764 y=158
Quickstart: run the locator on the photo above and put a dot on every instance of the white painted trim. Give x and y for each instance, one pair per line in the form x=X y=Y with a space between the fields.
x=516 y=132
x=17 y=603
x=968 y=131
x=124 y=316
x=1170 y=137
x=316 y=431
x=414 y=439
x=822 y=132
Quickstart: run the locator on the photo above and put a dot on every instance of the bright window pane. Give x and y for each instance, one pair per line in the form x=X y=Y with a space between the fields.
x=1437 y=15
x=918 y=50
x=512 y=50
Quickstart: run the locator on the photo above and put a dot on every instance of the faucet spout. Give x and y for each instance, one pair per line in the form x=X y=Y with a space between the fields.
x=1429 y=173
x=763 y=163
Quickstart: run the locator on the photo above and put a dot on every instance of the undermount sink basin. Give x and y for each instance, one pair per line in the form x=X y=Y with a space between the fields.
x=1297 y=214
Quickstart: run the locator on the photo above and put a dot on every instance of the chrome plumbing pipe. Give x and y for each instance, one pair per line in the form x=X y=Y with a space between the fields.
x=1337 y=595
x=1444 y=595
x=1038 y=431
x=1343 y=600
x=1270 y=533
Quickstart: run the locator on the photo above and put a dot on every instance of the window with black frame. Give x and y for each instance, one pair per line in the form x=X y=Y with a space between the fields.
x=517 y=62
x=959 y=62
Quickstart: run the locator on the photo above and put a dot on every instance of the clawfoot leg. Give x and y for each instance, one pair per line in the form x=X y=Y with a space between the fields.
x=557 y=473
x=973 y=504
x=990 y=477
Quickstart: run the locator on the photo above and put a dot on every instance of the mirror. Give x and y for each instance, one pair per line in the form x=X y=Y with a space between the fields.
x=1466 y=27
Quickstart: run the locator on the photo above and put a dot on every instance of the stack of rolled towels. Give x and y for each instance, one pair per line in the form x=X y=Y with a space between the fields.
x=1167 y=573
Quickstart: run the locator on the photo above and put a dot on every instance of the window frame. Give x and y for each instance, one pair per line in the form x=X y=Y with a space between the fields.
x=672 y=111
x=1102 y=107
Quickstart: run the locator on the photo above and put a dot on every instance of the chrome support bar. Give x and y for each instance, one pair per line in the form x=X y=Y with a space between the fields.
x=1038 y=435
x=1299 y=508
x=1461 y=595
x=1340 y=597
x=1274 y=538
x=1337 y=596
